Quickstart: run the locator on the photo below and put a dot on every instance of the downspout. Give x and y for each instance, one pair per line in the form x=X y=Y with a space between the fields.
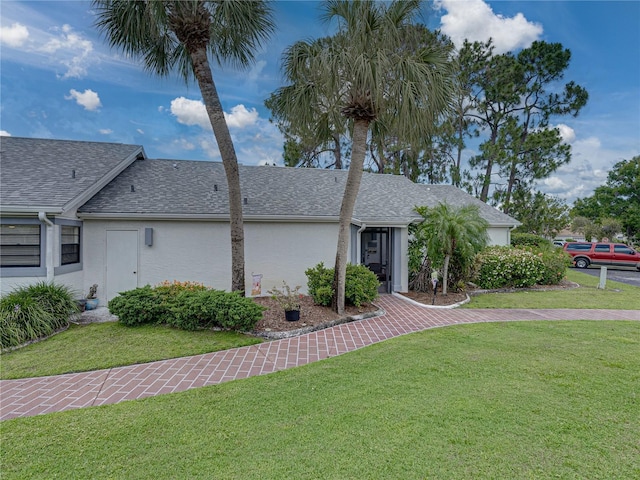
x=359 y=242
x=42 y=216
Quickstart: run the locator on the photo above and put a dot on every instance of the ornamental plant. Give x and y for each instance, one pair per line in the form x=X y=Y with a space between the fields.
x=288 y=298
x=499 y=267
x=361 y=285
x=186 y=305
x=34 y=311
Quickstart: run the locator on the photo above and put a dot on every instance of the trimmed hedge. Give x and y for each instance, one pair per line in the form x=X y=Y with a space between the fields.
x=188 y=306
x=34 y=311
x=361 y=284
x=529 y=240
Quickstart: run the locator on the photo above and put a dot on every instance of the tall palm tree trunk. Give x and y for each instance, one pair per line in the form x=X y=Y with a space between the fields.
x=359 y=141
x=203 y=75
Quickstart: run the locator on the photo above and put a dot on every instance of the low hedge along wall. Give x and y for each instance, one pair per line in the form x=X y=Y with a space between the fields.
x=186 y=306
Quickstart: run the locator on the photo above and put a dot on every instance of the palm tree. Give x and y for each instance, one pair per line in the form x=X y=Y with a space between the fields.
x=449 y=229
x=180 y=35
x=370 y=76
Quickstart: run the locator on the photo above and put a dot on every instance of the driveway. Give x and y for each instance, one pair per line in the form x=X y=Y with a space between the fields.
x=627 y=275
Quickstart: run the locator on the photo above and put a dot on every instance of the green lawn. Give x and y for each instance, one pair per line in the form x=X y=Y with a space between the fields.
x=111 y=344
x=617 y=296
x=516 y=400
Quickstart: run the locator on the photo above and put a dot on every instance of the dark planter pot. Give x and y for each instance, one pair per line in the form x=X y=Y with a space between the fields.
x=292 y=315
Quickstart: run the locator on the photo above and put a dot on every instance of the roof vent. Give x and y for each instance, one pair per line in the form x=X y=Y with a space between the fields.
x=215 y=187
x=175 y=166
x=245 y=200
x=132 y=188
x=73 y=174
x=336 y=179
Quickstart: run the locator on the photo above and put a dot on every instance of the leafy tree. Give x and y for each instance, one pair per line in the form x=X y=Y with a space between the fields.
x=585 y=226
x=369 y=77
x=609 y=228
x=514 y=98
x=619 y=198
x=179 y=35
x=539 y=213
x=446 y=229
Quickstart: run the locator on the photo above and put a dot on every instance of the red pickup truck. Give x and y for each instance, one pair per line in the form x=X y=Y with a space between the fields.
x=591 y=253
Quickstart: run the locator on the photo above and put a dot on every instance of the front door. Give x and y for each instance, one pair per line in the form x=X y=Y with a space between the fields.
x=375 y=255
x=122 y=262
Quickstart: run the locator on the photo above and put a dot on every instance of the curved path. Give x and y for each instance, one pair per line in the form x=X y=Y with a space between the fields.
x=35 y=396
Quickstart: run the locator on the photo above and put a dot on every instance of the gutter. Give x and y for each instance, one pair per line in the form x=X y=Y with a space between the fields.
x=42 y=216
x=359 y=243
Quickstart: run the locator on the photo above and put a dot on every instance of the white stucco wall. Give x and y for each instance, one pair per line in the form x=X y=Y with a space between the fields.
x=499 y=236
x=182 y=251
x=283 y=251
x=200 y=252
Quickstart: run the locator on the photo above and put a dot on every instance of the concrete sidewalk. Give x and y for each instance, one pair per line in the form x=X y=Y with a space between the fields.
x=35 y=396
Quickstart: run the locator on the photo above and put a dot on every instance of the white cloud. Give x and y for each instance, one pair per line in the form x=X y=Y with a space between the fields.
x=475 y=20
x=240 y=117
x=567 y=133
x=105 y=131
x=588 y=169
x=193 y=112
x=190 y=112
x=4 y=133
x=14 y=36
x=88 y=99
x=71 y=50
x=140 y=131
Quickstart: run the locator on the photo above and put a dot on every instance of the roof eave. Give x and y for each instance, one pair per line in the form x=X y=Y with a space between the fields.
x=204 y=217
x=30 y=209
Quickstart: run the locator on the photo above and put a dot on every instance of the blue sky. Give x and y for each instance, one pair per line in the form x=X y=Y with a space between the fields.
x=60 y=80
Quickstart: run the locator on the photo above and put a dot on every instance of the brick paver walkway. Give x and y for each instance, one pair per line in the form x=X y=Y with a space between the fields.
x=35 y=396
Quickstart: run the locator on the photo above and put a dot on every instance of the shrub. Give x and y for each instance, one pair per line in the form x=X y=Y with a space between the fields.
x=361 y=284
x=556 y=261
x=34 y=311
x=215 y=309
x=138 y=307
x=186 y=305
x=528 y=240
x=498 y=267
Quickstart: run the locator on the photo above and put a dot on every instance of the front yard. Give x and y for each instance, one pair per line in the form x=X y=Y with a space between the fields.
x=517 y=400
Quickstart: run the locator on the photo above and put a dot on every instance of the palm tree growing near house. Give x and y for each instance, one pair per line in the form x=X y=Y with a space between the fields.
x=369 y=75
x=447 y=229
x=180 y=35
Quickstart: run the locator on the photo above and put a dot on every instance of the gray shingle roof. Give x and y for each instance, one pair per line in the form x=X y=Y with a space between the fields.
x=38 y=172
x=178 y=187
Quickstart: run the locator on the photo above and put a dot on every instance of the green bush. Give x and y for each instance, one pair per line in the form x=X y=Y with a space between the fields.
x=34 y=311
x=529 y=240
x=498 y=267
x=215 y=309
x=139 y=306
x=361 y=284
x=556 y=261
x=188 y=306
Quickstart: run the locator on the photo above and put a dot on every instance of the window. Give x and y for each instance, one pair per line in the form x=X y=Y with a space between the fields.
x=623 y=249
x=20 y=245
x=579 y=246
x=70 y=245
x=602 y=247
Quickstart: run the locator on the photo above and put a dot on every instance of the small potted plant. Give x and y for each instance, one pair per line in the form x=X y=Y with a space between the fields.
x=92 y=299
x=289 y=299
